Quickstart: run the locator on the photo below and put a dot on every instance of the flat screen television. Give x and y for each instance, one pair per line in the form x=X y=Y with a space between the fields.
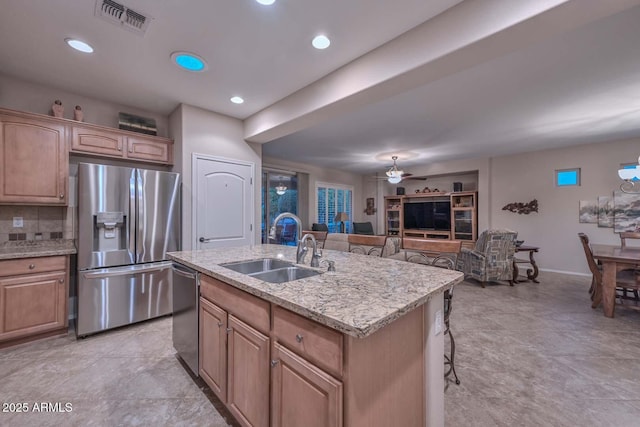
x=427 y=216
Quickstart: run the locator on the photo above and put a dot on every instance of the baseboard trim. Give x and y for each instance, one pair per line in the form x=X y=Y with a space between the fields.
x=572 y=273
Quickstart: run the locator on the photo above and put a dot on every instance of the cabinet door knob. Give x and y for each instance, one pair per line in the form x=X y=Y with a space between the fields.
x=220 y=324
x=62 y=196
x=229 y=330
x=61 y=281
x=274 y=362
x=32 y=266
x=299 y=337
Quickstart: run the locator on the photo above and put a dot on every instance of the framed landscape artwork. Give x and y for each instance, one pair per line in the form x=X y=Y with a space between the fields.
x=626 y=213
x=588 y=211
x=605 y=211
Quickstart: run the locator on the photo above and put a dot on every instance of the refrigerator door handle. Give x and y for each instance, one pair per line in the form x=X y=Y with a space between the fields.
x=123 y=271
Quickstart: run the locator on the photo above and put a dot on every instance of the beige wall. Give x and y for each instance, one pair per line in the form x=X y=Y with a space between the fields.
x=528 y=176
x=204 y=132
x=318 y=174
x=23 y=96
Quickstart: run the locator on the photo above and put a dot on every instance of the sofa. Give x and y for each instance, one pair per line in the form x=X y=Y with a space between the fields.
x=339 y=242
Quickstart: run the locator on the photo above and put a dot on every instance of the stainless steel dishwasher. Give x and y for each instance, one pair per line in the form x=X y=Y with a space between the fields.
x=186 y=294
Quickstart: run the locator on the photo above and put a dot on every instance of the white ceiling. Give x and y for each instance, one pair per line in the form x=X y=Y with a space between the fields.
x=262 y=53
x=580 y=86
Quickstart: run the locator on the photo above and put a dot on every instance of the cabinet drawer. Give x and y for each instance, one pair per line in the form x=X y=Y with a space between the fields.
x=317 y=343
x=13 y=267
x=244 y=306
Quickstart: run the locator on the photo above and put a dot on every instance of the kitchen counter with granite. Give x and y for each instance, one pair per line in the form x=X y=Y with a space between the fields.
x=363 y=295
x=36 y=248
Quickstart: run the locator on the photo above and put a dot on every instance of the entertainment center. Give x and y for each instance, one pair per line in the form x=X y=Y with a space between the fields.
x=452 y=216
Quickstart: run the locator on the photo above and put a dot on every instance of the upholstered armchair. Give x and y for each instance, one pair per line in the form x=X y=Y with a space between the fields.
x=492 y=258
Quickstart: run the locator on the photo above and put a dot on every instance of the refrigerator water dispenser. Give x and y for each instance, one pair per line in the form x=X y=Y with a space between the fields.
x=110 y=230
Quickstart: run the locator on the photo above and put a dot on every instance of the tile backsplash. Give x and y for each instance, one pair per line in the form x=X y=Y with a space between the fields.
x=38 y=222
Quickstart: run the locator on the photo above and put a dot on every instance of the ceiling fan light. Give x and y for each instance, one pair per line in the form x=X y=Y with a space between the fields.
x=395 y=179
x=629 y=173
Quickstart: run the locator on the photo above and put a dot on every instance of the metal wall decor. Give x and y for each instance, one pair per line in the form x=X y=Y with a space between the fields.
x=522 y=208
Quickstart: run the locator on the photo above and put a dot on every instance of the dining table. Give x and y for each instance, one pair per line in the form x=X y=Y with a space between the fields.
x=613 y=258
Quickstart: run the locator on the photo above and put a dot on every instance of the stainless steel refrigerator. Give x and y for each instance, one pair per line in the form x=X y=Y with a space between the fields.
x=128 y=219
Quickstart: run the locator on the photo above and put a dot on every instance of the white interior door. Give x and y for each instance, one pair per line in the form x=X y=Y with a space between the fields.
x=223 y=206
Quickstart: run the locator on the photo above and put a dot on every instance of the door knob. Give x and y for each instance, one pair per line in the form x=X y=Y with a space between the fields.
x=299 y=337
x=201 y=240
x=220 y=324
x=274 y=363
x=62 y=196
x=32 y=266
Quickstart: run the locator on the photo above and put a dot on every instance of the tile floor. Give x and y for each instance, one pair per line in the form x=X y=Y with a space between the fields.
x=531 y=355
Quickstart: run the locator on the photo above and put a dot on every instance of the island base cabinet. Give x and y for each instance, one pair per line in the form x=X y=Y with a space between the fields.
x=248 y=374
x=213 y=348
x=302 y=394
x=234 y=362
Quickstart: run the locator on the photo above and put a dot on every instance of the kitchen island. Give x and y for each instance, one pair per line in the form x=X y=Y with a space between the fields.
x=362 y=345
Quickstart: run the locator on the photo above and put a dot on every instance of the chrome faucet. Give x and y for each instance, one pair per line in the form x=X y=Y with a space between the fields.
x=302 y=250
x=315 y=257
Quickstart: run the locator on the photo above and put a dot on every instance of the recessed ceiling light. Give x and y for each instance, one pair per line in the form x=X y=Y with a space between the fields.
x=321 y=42
x=189 y=61
x=79 y=45
x=237 y=100
x=266 y=2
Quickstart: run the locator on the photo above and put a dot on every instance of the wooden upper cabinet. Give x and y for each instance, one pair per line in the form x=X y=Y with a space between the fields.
x=116 y=143
x=156 y=150
x=34 y=165
x=94 y=141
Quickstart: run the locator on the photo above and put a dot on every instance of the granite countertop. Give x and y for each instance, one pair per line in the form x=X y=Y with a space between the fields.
x=36 y=248
x=364 y=294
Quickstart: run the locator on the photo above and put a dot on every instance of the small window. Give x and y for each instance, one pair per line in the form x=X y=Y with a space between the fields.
x=567 y=177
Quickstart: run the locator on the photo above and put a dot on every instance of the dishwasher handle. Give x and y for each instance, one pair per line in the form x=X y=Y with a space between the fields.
x=183 y=273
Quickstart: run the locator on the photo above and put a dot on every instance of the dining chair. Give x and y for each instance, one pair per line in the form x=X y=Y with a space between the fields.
x=320 y=237
x=628 y=235
x=631 y=235
x=625 y=279
x=443 y=254
x=367 y=245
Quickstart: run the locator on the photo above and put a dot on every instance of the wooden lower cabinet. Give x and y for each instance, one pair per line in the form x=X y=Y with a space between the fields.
x=213 y=347
x=302 y=394
x=315 y=376
x=248 y=374
x=32 y=304
x=234 y=362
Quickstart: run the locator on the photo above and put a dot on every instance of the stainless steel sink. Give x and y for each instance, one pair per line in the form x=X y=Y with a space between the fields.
x=257 y=265
x=271 y=270
x=287 y=274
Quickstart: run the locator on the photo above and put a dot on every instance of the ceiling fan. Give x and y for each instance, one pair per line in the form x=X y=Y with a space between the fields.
x=395 y=175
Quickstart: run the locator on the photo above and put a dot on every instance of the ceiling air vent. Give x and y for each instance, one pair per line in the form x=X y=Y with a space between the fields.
x=122 y=16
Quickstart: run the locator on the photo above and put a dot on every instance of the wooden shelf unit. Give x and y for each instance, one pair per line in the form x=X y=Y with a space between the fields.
x=464 y=216
x=393 y=215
